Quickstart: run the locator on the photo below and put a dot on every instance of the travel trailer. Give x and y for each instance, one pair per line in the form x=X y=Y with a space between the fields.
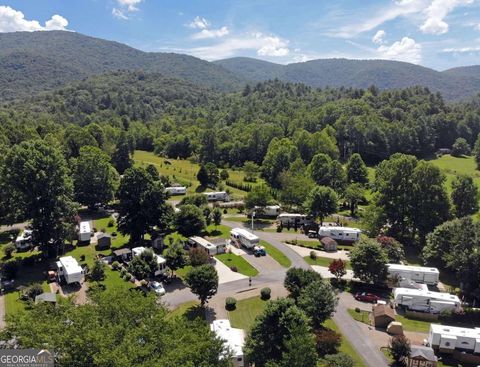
x=269 y=211
x=176 y=190
x=217 y=196
x=343 y=235
x=162 y=263
x=242 y=237
x=234 y=340
x=425 y=301
x=446 y=339
x=293 y=219
x=211 y=248
x=24 y=240
x=84 y=232
x=417 y=274
x=69 y=270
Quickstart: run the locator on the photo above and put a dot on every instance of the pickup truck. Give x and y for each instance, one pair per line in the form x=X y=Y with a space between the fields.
x=259 y=251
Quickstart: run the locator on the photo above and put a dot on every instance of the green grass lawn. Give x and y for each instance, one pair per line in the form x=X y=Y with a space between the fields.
x=217 y=231
x=246 y=312
x=323 y=261
x=13 y=304
x=190 y=310
x=276 y=254
x=242 y=265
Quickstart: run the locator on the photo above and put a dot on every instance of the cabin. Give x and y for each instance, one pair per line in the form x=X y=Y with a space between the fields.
x=84 y=231
x=382 y=315
x=234 y=340
x=104 y=241
x=24 y=240
x=162 y=263
x=242 y=238
x=176 y=190
x=210 y=248
x=217 y=196
x=447 y=339
x=69 y=270
x=418 y=274
x=343 y=235
x=421 y=356
x=329 y=244
x=425 y=300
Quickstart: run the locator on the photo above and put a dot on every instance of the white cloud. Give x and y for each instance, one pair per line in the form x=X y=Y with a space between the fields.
x=436 y=13
x=263 y=45
x=119 y=14
x=379 y=37
x=12 y=20
x=462 y=49
x=405 y=50
x=211 y=33
x=125 y=7
x=199 y=23
x=477 y=27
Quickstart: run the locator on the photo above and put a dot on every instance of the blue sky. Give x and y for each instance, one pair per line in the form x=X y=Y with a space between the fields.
x=435 y=33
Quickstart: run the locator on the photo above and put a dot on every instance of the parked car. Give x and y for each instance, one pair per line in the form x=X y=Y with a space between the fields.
x=157 y=287
x=312 y=234
x=259 y=251
x=366 y=297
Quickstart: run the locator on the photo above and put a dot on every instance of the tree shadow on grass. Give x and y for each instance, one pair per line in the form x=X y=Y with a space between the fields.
x=196 y=312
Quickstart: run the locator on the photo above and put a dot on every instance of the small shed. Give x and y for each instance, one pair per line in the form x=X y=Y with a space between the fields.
x=46 y=297
x=329 y=244
x=421 y=355
x=104 y=241
x=123 y=254
x=395 y=328
x=382 y=315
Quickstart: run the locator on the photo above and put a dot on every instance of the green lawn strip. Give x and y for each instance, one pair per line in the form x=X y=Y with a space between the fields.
x=217 y=231
x=362 y=316
x=246 y=312
x=242 y=265
x=345 y=347
x=323 y=261
x=189 y=309
x=276 y=254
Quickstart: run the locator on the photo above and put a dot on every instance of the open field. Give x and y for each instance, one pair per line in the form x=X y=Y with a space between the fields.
x=453 y=166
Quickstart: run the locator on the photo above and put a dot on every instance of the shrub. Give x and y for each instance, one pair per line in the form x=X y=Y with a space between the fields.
x=265 y=293
x=143 y=283
x=9 y=269
x=110 y=223
x=399 y=348
x=357 y=310
x=327 y=341
x=31 y=292
x=234 y=269
x=127 y=276
x=98 y=271
x=198 y=256
x=8 y=250
x=103 y=230
x=114 y=234
x=82 y=257
x=225 y=211
x=123 y=272
x=313 y=255
x=29 y=261
x=338 y=360
x=230 y=303
x=115 y=265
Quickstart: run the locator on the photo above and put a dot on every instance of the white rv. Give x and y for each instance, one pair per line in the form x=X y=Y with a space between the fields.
x=417 y=274
x=344 y=235
x=449 y=338
x=425 y=301
x=176 y=190
x=69 y=269
x=84 y=231
x=242 y=237
x=217 y=196
x=162 y=263
x=269 y=211
x=294 y=218
x=234 y=340
x=24 y=240
x=211 y=248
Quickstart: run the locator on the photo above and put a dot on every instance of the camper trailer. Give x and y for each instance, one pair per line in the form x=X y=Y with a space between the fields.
x=425 y=301
x=69 y=270
x=292 y=219
x=24 y=240
x=269 y=211
x=162 y=263
x=446 y=339
x=242 y=237
x=84 y=232
x=343 y=235
x=234 y=340
x=417 y=274
x=176 y=190
x=217 y=196
x=211 y=248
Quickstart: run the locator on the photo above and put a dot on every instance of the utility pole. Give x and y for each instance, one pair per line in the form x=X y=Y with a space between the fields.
x=253 y=217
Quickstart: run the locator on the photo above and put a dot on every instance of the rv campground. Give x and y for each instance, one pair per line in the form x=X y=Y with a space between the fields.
x=284 y=248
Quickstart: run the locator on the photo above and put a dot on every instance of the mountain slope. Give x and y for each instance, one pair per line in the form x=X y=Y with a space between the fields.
x=36 y=61
x=359 y=74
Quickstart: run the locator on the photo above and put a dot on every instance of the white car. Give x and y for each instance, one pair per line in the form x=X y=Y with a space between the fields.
x=157 y=287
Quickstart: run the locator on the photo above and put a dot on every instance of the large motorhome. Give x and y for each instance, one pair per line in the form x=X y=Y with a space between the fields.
x=417 y=274
x=425 y=301
x=269 y=211
x=343 y=235
x=234 y=340
x=292 y=219
x=69 y=270
x=211 y=248
x=446 y=339
x=242 y=237
x=162 y=263
x=176 y=190
x=84 y=231
x=217 y=196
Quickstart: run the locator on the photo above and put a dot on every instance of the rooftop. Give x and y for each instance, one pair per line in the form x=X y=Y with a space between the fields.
x=419 y=269
x=234 y=338
x=421 y=292
x=70 y=265
x=455 y=331
x=248 y=235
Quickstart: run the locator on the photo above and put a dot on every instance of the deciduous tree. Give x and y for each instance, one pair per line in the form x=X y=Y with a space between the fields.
x=369 y=261
x=203 y=281
x=464 y=196
x=321 y=202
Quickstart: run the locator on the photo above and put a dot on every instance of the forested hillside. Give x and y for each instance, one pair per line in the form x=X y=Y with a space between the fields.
x=453 y=84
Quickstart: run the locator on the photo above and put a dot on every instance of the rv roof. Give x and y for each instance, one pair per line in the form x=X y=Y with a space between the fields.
x=455 y=331
x=85 y=227
x=423 y=293
x=248 y=235
x=202 y=241
x=420 y=269
x=138 y=250
x=291 y=215
x=175 y=188
x=350 y=229
x=70 y=265
x=215 y=193
x=234 y=338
